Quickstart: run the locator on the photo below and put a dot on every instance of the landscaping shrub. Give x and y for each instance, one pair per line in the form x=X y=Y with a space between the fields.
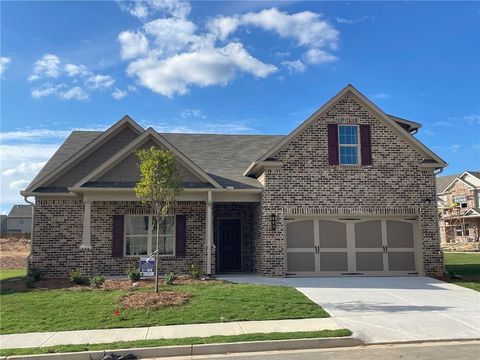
x=195 y=271
x=33 y=275
x=134 y=274
x=97 y=281
x=78 y=278
x=170 y=278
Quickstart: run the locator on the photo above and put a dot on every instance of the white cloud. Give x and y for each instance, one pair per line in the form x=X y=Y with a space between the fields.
x=381 y=96
x=47 y=66
x=32 y=134
x=294 y=66
x=119 y=94
x=4 y=61
x=100 y=81
x=171 y=54
x=76 y=93
x=46 y=89
x=341 y=20
x=19 y=165
x=18 y=184
x=146 y=8
x=133 y=44
x=192 y=113
x=472 y=119
x=307 y=27
x=317 y=56
x=73 y=70
x=454 y=148
x=221 y=27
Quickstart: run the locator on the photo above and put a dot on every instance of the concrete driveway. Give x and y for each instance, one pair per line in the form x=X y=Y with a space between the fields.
x=390 y=309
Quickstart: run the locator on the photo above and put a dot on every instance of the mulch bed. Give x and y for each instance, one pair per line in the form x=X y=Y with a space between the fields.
x=110 y=284
x=152 y=300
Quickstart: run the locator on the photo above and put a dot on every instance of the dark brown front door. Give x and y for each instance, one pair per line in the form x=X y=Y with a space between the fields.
x=230 y=242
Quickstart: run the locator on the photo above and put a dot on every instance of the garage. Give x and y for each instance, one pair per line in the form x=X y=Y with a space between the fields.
x=351 y=246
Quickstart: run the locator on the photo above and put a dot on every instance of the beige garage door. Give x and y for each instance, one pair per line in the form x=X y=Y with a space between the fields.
x=351 y=246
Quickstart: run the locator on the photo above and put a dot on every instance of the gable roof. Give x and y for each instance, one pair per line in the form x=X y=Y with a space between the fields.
x=149 y=134
x=439 y=163
x=446 y=182
x=62 y=160
x=21 y=211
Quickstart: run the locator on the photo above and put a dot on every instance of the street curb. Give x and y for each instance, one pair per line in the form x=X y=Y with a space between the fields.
x=201 y=349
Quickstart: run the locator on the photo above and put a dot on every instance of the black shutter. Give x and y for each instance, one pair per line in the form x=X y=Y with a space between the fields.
x=181 y=235
x=366 y=144
x=332 y=144
x=117 y=238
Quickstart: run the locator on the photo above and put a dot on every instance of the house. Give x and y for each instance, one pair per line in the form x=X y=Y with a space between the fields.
x=459 y=207
x=349 y=192
x=19 y=220
x=3 y=225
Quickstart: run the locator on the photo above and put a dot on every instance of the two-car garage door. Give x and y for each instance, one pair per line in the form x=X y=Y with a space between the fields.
x=323 y=247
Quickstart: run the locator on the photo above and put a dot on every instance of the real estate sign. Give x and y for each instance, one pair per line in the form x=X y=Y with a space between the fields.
x=147 y=266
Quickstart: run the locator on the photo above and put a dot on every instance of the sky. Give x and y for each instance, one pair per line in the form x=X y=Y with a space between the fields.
x=230 y=67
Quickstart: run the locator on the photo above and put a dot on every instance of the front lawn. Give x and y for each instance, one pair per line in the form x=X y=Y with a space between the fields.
x=6 y=274
x=466 y=266
x=69 y=309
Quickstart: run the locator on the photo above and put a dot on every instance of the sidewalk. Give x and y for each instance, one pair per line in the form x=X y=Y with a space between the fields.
x=100 y=336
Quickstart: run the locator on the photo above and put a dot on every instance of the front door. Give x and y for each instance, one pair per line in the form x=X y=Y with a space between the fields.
x=229 y=243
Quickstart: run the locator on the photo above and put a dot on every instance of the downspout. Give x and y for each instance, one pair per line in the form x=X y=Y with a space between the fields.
x=437 y=172
x=209 y=232
x=31 y=231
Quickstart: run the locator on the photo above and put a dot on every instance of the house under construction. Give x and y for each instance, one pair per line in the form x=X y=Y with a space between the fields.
x=458 y=199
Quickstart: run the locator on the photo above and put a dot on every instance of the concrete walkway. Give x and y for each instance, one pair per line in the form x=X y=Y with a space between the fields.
x=44 y=339
x=390 y=309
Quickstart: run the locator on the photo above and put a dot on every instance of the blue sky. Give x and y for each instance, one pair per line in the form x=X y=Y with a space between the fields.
x=231 y=67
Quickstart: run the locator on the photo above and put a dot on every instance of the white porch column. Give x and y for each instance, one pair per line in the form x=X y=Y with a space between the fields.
x=86 y=239
x=209 y=232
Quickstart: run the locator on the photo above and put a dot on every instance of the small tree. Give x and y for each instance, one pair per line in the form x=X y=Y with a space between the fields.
x=159 y=185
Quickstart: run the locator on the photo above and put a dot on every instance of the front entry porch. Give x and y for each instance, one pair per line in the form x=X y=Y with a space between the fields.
x=234 y=237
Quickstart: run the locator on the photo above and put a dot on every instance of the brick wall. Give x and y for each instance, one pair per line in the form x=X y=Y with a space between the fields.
x=306 y=183
x=58 y=236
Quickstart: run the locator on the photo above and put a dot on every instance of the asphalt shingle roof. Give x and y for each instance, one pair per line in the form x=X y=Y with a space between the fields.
x=224 y=157
x=20 y=211
x=444 y=181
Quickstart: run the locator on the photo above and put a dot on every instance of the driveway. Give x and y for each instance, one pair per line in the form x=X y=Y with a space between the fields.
x=390 y=309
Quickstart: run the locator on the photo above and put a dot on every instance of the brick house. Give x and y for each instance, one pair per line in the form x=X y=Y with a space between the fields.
x=459 y=207
x=349 y=191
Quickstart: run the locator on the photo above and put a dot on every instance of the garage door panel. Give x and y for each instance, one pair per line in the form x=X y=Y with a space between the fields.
x=369 y=261
x=301 y=261
x=400 y=234
x=401 y=261
x=332 y=234
x=368 y=234
x=300 y=234
x=333 y=261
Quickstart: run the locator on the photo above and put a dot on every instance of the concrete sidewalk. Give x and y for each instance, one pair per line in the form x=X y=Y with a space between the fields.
x=100 y=336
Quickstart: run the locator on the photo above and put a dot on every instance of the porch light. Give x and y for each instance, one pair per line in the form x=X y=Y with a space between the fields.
x=273 y=222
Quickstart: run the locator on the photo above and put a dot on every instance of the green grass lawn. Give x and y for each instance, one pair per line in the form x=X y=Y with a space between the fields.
x=172 y=342
x=47 y=310
x=465 y=265
x=12 y=273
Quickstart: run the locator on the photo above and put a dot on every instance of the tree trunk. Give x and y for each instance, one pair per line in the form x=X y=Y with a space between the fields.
x=156 y=255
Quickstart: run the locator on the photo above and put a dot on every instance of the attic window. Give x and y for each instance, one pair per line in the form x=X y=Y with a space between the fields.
x=348 y=145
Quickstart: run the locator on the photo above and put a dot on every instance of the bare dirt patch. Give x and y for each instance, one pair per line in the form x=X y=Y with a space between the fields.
x=14 y=252
x=151 y=300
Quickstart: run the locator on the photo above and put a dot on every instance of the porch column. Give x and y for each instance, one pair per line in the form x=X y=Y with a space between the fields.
x=209 y=232
x=86 y=239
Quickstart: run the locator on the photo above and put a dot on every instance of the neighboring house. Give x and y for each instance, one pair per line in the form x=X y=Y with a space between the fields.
x=19 y=220
x=349 y=191
x=3 y=225
x=459 y=207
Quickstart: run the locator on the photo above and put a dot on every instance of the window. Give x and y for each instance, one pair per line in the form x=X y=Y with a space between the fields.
x=348 y=144
x=21 y=221
x=461 y=200
x=141 y=235
x=465 y=232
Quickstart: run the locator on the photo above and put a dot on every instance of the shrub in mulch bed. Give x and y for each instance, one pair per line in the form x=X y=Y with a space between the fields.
x=152 y=300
